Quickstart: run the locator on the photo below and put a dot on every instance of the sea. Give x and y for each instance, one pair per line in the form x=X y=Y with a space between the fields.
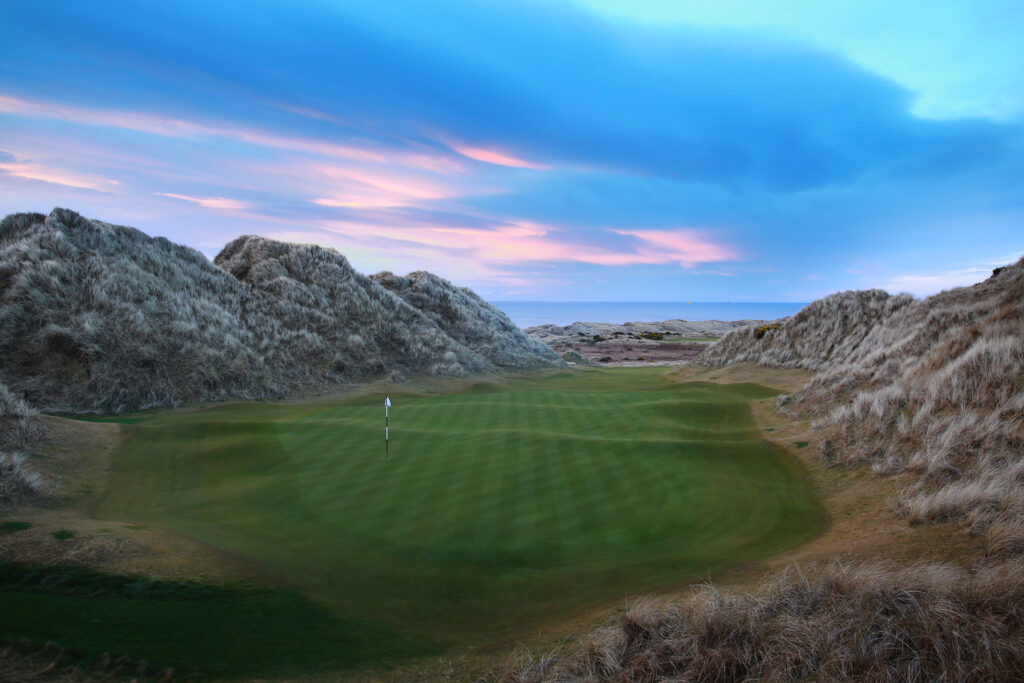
x=530 y=313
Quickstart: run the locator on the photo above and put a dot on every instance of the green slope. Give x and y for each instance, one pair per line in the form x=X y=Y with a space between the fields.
x=499 y=508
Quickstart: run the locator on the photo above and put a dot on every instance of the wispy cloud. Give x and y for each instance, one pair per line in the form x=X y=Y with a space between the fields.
x=362 y=187
x=31 y=170
x=926 y=284
x=210 y=202
x=684 y=246
x=492 y=156
x=523 y=242
x=172 y=127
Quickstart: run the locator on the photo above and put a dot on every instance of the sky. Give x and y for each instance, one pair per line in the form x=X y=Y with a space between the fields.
x=564 y=150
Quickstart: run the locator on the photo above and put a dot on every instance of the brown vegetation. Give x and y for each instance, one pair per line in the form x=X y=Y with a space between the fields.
x=926 y=623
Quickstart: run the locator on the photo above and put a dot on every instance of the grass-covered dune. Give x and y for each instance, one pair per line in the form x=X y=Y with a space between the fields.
x=99 y=317
x=931 y=387
x=500 y=509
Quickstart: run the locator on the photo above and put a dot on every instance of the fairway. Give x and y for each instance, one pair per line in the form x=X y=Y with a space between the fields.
x=500 y=508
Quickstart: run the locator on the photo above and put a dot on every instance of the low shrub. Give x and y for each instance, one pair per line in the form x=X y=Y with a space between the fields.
x=761 y=331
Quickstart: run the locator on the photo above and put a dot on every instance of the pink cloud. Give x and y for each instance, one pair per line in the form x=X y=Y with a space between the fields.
x=35 y=171
x=210 y=202
x=375 y=187
x=491 y=156
x=528 y=242
x=363 y=187
x=681 y=245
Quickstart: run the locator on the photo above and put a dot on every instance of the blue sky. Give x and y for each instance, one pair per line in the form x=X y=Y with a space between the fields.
x=718 y=150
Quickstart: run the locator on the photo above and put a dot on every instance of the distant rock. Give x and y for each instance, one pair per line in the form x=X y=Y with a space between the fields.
x=635 y=331
x=98 y=317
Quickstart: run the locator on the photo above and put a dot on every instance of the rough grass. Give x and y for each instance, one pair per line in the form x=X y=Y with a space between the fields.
x=20 y=431
x=499 y=509
x=875 y=623
x=931 y=387
x=97 y=317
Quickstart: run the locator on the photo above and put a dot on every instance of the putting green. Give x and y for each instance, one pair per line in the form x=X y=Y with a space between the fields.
x=499 y=508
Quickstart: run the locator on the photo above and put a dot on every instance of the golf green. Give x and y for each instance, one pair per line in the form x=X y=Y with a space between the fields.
x=499 y=508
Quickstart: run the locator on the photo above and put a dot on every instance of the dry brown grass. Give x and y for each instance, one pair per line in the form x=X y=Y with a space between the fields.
x=836 y=622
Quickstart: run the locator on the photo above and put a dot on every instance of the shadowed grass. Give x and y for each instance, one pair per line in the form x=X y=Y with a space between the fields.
x=185 y=625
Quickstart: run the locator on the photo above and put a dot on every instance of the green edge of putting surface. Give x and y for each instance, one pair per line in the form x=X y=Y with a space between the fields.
x=500 y=508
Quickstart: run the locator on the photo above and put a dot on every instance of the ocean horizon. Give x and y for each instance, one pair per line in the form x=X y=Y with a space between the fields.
x=530 y=313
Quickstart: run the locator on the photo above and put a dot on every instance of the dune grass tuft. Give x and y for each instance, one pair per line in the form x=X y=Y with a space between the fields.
x=20 y=431
x=867 y=622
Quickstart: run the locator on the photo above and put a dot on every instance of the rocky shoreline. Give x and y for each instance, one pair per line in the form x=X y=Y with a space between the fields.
x=669 y=342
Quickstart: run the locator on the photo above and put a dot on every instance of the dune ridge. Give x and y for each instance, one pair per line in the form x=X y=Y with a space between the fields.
x=99 y=317
x=932 y=387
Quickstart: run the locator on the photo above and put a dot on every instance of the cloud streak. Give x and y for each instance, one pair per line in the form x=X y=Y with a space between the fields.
x=181 y=128
x=35 y=171
x=222 y=203
x=532 y=243
x=491 y=156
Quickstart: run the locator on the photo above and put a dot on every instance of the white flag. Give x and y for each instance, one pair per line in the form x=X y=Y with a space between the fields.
x=387 y=402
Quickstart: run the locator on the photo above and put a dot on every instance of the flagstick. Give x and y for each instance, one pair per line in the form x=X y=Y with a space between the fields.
x=387 y=443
